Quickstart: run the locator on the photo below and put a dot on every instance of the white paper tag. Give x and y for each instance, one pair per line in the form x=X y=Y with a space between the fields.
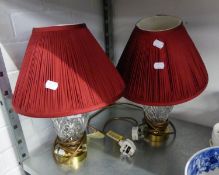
x=51 y=85
x=159 y=65
x=159 y=44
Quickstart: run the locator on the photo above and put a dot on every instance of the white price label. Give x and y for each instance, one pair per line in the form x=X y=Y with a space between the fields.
x=159 y=65
x=159 y=44
x=51 y=85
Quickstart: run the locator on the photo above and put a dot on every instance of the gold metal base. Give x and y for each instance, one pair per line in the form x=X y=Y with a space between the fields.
x=156 y=140
x=157 y=134
x=70 y=154
x=70 y=160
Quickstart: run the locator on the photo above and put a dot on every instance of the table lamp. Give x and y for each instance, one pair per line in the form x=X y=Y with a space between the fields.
x=161 y=67
x=64 y=75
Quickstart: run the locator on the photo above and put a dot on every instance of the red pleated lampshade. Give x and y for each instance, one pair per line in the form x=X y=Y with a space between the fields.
x=65 y=72
x=160 y=64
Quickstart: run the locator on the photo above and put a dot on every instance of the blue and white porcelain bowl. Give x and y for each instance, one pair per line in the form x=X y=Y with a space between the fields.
x=204 y=162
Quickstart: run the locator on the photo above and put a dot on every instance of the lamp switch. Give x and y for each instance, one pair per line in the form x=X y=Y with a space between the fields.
x=135 y=133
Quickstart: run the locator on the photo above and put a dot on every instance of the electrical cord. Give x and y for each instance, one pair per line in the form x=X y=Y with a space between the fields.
x=127 y=119
x=111 y=106
x=127 y=146
x=134 y=122
x=174 y=129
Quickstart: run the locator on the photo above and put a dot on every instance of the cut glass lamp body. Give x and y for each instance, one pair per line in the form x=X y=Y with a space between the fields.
x=157 y=114
x=70 y=128
x=70 y=146
x=157 y=119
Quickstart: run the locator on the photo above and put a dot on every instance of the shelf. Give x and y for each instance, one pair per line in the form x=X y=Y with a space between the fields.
x=104 y=157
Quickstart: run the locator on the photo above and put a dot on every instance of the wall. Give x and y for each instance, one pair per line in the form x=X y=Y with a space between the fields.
x=201 y=18
x=17 y=18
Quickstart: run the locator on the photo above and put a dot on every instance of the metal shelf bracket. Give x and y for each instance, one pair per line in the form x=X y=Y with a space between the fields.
x=11 y=117
x=108 y=28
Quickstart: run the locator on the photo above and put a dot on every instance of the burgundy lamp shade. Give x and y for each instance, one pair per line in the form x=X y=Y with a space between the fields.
x=160 y=64
x=65 y=72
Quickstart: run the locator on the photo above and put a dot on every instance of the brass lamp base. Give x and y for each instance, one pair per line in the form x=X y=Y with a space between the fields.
x=70 y=153
x=71 y=162
x=157 y=134
x=156 y=140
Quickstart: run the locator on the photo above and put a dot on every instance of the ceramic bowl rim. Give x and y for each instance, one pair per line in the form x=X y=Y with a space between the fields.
x=198 y=152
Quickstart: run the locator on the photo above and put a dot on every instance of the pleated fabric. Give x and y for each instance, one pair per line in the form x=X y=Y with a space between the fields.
x=70 y=56
x=184 y=75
